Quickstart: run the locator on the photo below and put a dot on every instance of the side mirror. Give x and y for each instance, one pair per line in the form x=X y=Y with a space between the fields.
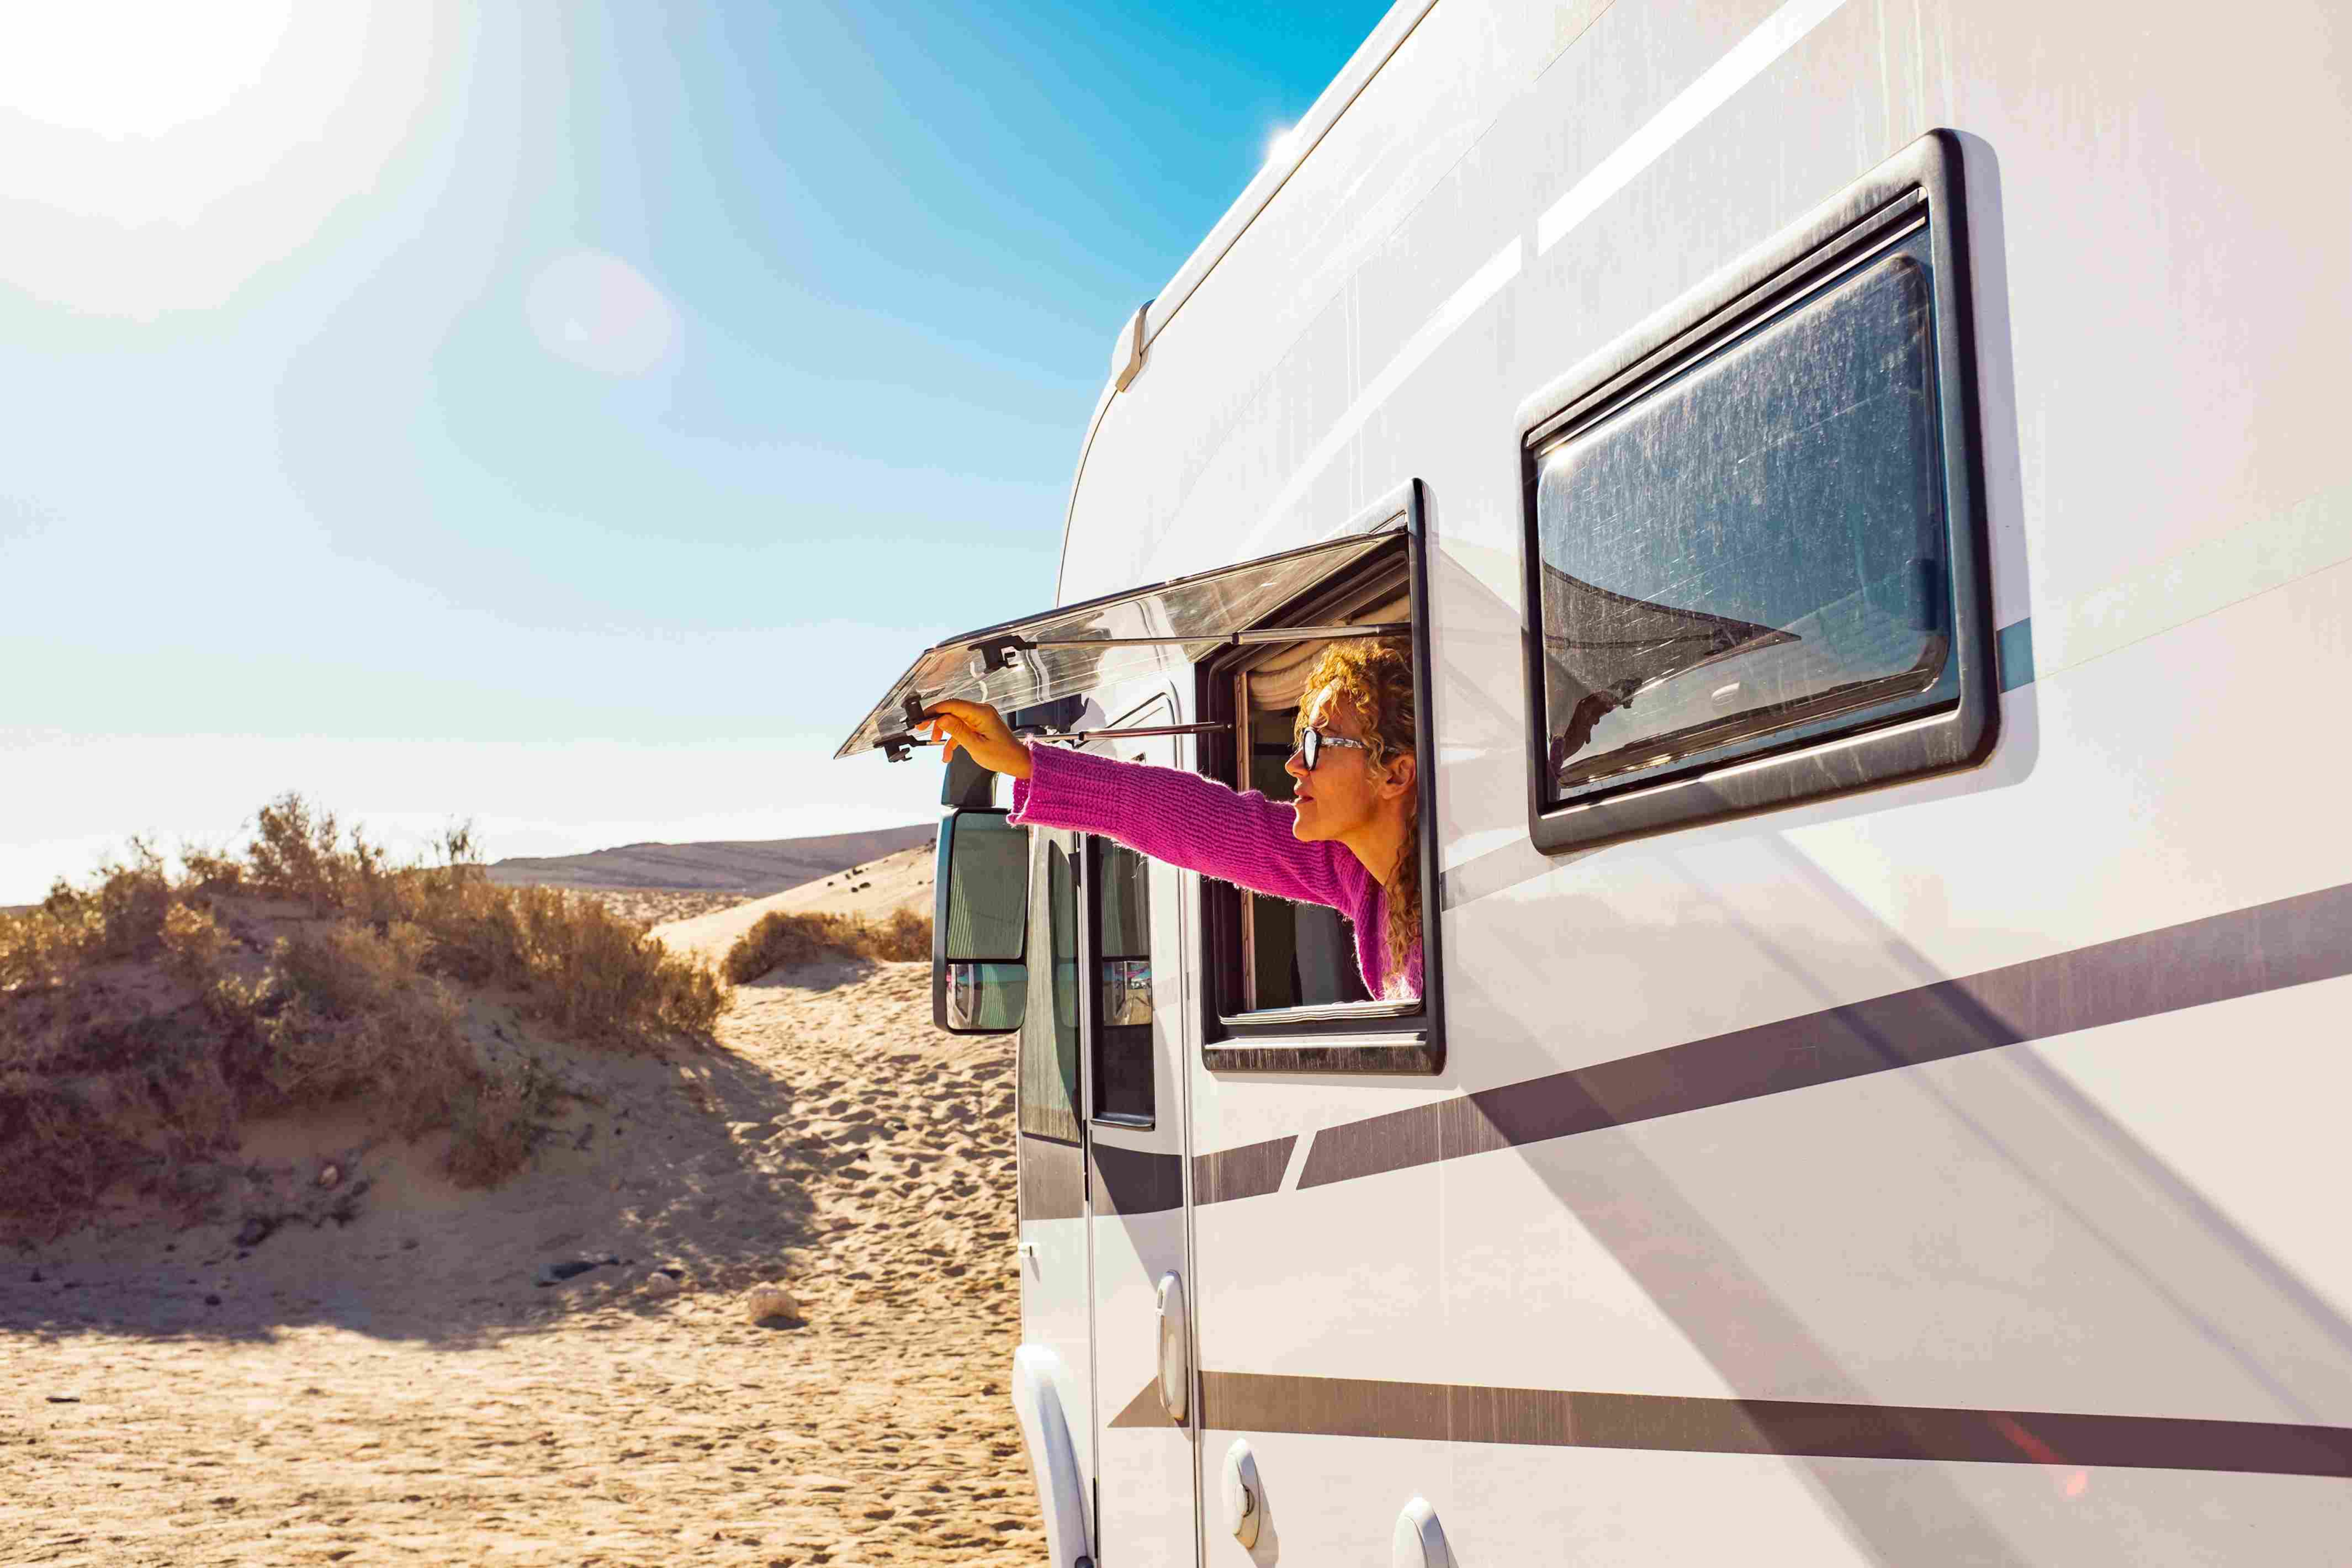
x=968 y=785
x=980 y=926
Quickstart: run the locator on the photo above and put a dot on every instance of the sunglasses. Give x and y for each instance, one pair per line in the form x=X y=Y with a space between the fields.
x=1311 y=742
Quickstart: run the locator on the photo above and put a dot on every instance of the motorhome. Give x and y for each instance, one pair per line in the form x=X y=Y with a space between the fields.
x=1859 y=480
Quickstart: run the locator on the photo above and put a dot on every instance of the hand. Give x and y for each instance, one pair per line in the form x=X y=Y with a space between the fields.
x=982 y=731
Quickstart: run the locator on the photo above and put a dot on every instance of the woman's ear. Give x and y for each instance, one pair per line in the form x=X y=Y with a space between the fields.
x=1402 y=770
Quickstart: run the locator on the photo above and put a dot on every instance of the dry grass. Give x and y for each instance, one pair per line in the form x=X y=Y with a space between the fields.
x=781 y=938
x=145 y=1015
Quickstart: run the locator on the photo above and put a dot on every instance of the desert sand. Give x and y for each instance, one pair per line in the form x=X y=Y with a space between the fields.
x=358 y=1362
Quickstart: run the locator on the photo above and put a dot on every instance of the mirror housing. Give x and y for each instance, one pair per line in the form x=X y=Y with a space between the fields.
x=980 y=924
x=968 y=785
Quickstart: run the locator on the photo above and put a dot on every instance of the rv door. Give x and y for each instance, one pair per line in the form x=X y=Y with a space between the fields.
x=1133 y=1083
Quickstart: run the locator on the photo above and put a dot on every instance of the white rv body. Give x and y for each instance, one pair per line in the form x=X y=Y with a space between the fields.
x=2121 y=1245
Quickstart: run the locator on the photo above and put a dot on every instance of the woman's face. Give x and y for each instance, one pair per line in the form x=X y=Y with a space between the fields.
x=1344 y=794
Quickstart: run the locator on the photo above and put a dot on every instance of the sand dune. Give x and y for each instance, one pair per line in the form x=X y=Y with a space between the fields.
x=873 y=889
x=655 y=906
x=375 y=1367
x=749 y=869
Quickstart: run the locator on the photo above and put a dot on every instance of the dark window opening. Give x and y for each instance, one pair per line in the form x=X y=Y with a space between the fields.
x=1122 y=988
x=1284 y=990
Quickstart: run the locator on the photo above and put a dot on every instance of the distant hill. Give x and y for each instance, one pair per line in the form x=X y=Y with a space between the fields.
x=753 y=868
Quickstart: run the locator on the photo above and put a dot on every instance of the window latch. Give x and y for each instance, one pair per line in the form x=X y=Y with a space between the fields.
x=900 y=744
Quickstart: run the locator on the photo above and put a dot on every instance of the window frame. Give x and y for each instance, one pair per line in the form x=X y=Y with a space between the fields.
x=1039 y=1037
x=1374 y=1036
x=1924 y=182
x=1092 y=877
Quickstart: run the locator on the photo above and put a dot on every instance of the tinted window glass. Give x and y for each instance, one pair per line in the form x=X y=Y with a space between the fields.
x=1122 y=984
x=988 y=888
x=1049 y=1038
x=1754 y=551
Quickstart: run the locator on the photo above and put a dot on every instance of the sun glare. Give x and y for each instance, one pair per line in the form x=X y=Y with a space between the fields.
x=1279 y=145
x=154 y=154
x=134 y=67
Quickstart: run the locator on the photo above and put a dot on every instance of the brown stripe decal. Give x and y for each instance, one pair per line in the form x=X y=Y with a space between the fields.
x=1560 y=1418
x=1144 y=1410
x=1135 y=1181
x=1250 y=1171
x=2289 y=942
x=1053 y=1178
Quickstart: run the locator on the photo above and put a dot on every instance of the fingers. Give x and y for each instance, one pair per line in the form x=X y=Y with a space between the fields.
x=980 y=716
x=952 y=733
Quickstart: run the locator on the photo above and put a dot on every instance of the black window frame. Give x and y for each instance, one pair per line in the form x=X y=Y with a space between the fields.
x=1362 y=1038
x=1041 y=1036
x=1923 y=183
x=1093 y=879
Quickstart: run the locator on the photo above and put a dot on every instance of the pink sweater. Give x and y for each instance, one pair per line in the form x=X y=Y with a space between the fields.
x=1199 y=823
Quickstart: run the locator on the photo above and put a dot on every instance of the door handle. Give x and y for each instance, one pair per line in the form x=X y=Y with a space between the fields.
x=1175 y=1350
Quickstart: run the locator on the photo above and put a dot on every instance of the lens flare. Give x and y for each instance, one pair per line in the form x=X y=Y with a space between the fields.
x=601 y=313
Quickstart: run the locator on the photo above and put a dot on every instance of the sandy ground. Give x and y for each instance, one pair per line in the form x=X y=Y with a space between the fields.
x=384 y=1371
x=873 y=889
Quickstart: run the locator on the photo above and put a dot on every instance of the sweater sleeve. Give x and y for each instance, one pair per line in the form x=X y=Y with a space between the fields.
x=1186 y=820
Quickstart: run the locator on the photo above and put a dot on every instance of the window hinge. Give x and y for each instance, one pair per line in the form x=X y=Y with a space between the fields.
x=1005 y=650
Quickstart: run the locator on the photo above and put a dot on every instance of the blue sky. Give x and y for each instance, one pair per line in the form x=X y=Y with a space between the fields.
x=567 y=416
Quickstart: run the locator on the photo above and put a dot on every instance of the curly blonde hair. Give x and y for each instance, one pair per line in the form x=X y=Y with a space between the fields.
x=1376 y=677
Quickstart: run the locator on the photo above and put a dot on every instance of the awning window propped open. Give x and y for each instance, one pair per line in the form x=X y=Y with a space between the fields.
x=1096 y=646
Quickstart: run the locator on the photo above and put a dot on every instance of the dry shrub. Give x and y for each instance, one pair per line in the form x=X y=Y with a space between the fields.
x=496 y=1122
x=37 y=948
x=192 y=944
x=589 y=972
x=144 y=1016
x=586 y=969
x=348 y=1013
x=903 y=938
x=781 y=938
x=119 y=916
x=107 y=1064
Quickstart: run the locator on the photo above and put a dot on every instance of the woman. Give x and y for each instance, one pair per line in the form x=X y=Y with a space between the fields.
x=1348 y=839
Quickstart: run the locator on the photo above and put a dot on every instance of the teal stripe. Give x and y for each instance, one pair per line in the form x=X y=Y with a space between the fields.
x=2016 y=655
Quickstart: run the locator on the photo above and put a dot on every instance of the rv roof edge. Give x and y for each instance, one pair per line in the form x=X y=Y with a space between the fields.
x=1151 y=318
x=1370 y=57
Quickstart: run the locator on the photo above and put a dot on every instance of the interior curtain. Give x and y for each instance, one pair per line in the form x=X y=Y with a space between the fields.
x=1281 y=680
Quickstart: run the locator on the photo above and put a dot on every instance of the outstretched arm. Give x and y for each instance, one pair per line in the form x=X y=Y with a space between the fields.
x=1165 y=812
x=1186 y=820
